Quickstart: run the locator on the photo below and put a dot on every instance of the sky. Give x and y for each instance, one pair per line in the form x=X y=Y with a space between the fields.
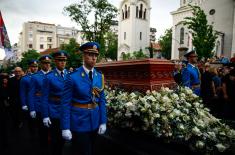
x=16 y=12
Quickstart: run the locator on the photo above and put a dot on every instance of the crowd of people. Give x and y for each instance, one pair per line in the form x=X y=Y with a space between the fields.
x=213 y=80
x=57 y=105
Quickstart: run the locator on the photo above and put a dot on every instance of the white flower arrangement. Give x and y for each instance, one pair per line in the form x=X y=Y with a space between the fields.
x=174 y=115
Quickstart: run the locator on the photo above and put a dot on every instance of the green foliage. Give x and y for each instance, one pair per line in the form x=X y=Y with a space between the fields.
x=135 y=56
x=27 y=56
x=112 y=45
x=126 y=56
x=139 y=55
x=204 y=36
x=103 y=13
x=75 y=58
x=165 y=42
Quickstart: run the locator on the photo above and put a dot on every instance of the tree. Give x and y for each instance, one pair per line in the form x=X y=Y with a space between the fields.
x=75 y=58
x=103 y=13
x=27 y=56
x=165 y=42
x=204 y=36
x=112 y=45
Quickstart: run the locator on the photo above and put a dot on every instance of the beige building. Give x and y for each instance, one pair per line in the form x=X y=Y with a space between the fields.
x=41 y=36
x=38 y=36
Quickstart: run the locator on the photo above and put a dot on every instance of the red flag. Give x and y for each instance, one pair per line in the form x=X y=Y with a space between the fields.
x=4 y=39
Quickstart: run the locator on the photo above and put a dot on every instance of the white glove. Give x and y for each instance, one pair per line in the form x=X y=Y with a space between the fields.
x=33 y=114
x=47 y=122
x=102 y=129
x=25 y=108
x=66 y=134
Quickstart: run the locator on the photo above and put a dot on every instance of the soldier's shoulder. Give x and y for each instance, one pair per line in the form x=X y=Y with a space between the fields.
x=50 y=73
x=74 y=72
x=98 y=71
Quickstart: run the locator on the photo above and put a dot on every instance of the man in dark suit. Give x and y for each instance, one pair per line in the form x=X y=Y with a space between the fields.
x=14 y=95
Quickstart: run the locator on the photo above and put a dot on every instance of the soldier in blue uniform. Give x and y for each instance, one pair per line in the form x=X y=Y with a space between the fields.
x=84 y=103
x=25 y=83
x=51 y=106
x=191 y=74
x=35 y=100
x=24 y=93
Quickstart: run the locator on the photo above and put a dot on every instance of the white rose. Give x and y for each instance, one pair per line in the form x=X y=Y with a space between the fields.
x=182 y=95
x=166 y=99
x=151 y=98
x=200 y=144
x=196 y=131
x=181 y=127
x=220 y=147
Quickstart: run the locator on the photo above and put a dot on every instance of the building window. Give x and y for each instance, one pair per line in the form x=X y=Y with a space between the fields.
x=41 y=46
x=125 y=11
x=124 y=35
x=122 y=14
x=49 y=46
x=141 y=11
x=145 y=13
x=30 y=46
x=129 y=12
x=49 y=39
x=137 y=11
x=182 y=35
x=140 y=35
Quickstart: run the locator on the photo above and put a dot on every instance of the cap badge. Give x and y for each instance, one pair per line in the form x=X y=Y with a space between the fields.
x=95 y=47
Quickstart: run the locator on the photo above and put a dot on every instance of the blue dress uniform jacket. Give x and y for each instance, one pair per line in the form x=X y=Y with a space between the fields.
x=78 y=89
x=35 y=93
x=52 y=93
x=24 y=89
x=191 y=78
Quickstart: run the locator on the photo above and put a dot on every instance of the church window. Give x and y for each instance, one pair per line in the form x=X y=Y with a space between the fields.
x=124 y=35
x=122 y=14
x=141 y=11
x=182 y=35
x=137 y=11
x=140 y=35
x=145 y=14
x=125 y=11
x=184 y=1
x=129 y=11
x=212 y=12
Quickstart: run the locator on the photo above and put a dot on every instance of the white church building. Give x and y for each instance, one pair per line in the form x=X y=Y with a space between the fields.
x=220 y=14
x=133 y=26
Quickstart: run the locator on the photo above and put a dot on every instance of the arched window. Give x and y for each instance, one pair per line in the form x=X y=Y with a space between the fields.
x=129 y=11
x=145 y=13
x=125 y=11
x=124 y=35
x=137 y=11
x=182 y=35
x=141 y=11
x=122 y=14
x=140 y=35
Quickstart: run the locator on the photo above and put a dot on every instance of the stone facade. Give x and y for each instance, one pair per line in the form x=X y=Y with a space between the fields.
x=134 y=26
x=220 y=14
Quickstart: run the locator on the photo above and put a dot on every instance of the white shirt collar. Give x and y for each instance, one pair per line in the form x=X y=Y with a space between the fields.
x=44 y=72
x=87 y=70
x=192 y=65
x=59 y=71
